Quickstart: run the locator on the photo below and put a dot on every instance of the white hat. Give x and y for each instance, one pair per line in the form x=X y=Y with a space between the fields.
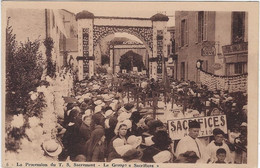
x=245 y=107
x=88 y=112
x=51 y=147
x=117 y=161
x=87 y=95
x=134 y=140
x=113 y=106
x=123 y=116
x=244 y=124
x=109 y=113
x=98 y=109
x=162 y=157
x=115 y=101
x=128 y=123
x=98 y=102
x=121 y=150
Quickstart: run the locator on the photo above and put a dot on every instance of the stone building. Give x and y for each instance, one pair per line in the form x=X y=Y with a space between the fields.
x=218 y=39
x=38 y=24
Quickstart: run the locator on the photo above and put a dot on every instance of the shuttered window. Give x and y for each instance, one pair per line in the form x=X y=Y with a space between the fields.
x=186 y=32
x=205 y=26
x=196 y=27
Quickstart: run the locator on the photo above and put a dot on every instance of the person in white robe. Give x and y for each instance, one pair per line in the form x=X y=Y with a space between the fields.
x=192 y=143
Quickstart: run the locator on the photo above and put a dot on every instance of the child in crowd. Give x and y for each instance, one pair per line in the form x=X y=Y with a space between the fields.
x=221 y=155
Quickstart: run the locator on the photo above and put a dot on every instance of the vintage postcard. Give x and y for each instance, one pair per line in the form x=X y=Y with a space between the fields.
x=129 y=84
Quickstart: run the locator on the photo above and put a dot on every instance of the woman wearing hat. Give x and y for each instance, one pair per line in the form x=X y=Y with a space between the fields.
x=95 y=147
x=84 y=132
x=71 y=137
x=161 y=141
x=120 y=137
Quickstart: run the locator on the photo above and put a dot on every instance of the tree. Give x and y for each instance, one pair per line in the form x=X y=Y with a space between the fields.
x=23 y=71
x=131 y=59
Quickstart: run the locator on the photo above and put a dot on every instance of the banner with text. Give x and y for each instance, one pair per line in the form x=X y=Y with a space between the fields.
x=178 y=128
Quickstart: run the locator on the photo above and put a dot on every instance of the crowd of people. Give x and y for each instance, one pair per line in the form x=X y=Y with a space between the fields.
x=108 y=121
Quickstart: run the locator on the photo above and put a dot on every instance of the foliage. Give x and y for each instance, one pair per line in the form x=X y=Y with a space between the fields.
x=131 y=59
x=105 y=59
x=23 y=71
x=51 y=67
x=101 y=70
x=12 y=138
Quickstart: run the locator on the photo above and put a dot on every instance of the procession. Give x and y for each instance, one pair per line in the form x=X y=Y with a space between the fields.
x=71 y=97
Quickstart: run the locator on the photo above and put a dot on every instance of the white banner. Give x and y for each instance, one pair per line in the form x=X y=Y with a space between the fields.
x=179 y=128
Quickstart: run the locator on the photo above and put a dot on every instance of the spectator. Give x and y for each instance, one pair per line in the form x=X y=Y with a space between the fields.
x=95 y=146
x=221 y=155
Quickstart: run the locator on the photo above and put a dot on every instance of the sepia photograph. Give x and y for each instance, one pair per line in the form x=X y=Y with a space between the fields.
x=121 y=84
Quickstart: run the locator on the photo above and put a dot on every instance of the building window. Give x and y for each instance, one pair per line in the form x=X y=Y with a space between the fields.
x=205 y=66
x=202 y=24
x=182 y=70
x=184 y=32
x=236 y=68
x=240 y=68
x=238 y=27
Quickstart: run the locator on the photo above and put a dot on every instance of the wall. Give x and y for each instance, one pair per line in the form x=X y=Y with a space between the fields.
x=223 y=36
x=190 y=53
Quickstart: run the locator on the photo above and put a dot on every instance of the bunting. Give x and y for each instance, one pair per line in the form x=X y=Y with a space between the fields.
x=230 y=83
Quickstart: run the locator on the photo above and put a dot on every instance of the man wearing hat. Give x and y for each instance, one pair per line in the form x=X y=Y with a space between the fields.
x=192 y=143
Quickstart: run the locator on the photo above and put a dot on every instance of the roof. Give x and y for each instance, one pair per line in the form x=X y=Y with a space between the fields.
x=84 y=15
x=159 y=17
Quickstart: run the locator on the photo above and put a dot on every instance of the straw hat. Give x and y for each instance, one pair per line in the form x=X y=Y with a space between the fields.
x=51 y=147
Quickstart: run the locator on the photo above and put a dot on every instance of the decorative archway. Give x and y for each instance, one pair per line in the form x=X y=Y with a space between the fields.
x=151 y=31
